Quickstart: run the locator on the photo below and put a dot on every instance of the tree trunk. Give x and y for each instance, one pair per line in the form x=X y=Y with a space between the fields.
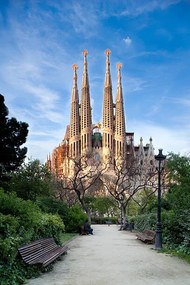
x=123 y=216
x=85 y=208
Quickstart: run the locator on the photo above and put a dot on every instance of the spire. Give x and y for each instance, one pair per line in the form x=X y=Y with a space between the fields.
x=120 y=134
x=74 y=117
x=150 y=149
x=85 y=81
x=75 y=88
x=108 y=74
x=108 y=112
x=119 y=95
x=141 y=147
x=86 y=117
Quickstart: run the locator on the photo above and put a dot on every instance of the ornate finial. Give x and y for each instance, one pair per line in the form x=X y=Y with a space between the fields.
x=99 y=125
x=85 y=52
x=107 y=51
x=119 y=66
x=141 y=139
x=75 y=66
x=150 y=139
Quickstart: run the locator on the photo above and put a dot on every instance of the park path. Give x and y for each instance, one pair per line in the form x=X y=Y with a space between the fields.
x=112 y=257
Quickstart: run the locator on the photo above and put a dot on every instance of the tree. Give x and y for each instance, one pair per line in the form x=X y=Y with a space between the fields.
x=12 y=135
x=31 y=180
x=85 y=179
x=178 y=197
x=101 y=206
x=124 y=182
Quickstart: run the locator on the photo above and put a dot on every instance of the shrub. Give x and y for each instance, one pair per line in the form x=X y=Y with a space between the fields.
x=32 y=222
x=9 y=238
x=22 y=222
x=53 y=206
x=145 y=221
x=50 y=226
x=76 y=218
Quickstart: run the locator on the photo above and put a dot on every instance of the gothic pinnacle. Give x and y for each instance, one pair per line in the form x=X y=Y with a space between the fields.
x=108 y=75
x=75 y=67
x=85 y=73
x=75 y=89
x=119 y=66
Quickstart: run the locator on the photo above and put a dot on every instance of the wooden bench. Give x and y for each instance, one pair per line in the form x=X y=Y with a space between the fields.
x=147 y=236
x=41 y=252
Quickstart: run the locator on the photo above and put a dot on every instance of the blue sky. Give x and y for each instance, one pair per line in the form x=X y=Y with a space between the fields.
x=40 y=40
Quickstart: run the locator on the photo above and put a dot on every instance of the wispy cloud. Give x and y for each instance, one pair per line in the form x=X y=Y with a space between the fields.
x=128 y=41
x=41 y=40
x=141 y=7
x=133 y=84
x=175 y=140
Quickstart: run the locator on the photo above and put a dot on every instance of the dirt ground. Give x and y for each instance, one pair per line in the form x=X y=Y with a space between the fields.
x=112 y=257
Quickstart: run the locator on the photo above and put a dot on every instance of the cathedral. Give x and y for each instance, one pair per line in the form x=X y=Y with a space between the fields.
x=105 y=140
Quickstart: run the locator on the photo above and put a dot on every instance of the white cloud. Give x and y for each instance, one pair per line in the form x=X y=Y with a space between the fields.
x=133 y=84
x=170 y=140
x=140 y=7
x=128 y=41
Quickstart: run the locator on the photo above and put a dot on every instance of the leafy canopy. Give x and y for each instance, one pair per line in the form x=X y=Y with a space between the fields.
x=13 y=134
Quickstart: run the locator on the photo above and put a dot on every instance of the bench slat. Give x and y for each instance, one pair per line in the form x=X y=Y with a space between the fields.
x=32 y=257
x=147 y=236
x=41 y=252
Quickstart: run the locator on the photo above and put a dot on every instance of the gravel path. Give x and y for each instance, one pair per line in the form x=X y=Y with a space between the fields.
x=112 y=257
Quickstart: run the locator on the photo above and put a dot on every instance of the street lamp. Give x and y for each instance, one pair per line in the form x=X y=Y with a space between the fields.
x=158 y=241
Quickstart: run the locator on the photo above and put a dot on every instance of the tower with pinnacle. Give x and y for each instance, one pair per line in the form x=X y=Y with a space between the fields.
x=108 y=142
x=120 y=132
x=86 y=116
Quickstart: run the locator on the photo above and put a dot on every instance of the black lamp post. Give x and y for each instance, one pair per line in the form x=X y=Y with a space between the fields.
x=158 y=241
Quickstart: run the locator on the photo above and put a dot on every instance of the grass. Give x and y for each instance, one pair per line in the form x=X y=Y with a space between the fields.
x=179 y=254
x=66 y=237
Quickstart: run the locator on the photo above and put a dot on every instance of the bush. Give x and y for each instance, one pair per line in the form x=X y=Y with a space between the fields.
x=76 y=218
x=53 y=206
x=9 y=237
x=145 y=221
x=50 y=226
x=22 y=222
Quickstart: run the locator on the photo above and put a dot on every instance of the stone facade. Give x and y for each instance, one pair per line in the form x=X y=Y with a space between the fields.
x=107 y=141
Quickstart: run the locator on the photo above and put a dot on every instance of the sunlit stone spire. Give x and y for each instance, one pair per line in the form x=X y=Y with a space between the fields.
x=74 y=118
x=108 y=114
x=86 y=116
x=119 y=119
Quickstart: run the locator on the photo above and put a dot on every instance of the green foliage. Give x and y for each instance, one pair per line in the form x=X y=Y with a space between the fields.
x=50 y=225
x=143 y=202
x=76 y=218
x=175 y=207
x=51 y=205
x=145 y=221
x=12 y=135
x=101 y=206
x=22 y=222
x=179 y=168
x=66 y=237
x=9 y=238
x=178 y=198
x=16 y=272
x=31 y=180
